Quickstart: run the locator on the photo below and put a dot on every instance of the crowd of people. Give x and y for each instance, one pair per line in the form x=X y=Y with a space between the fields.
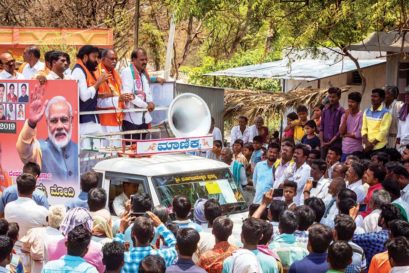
x=330 y=195
x=337 y=163
x=326 y=232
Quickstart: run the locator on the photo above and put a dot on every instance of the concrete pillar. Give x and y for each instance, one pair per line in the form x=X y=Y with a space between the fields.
x=392 y=69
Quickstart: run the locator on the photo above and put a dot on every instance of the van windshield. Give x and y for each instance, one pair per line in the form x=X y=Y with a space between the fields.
x=216 y=184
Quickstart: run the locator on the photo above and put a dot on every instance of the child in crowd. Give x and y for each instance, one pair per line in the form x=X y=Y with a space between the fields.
x=316 y=115
x=310 y=138
x=248 y=151
x=339 y=256
x=238 y=152
x=302 y=112
x=289 y=130
x=290 y=191
x=258 y=152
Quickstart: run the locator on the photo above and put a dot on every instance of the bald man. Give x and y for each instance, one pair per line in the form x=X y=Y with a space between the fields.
x=32 y=65
x=9 y=68
x=109 y=95
x=258 y=129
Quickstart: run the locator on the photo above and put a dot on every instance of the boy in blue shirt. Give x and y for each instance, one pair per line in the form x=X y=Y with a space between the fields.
x=258 y=152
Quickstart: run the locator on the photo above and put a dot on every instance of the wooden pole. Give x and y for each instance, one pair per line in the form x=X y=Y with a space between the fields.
x=169 y=49
x=136 y=26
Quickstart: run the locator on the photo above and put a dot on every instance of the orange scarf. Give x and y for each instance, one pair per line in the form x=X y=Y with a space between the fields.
x=110 y=87
x=91 y=79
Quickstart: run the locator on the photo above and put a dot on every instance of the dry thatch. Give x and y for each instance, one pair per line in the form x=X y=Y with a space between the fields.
x=252 y=103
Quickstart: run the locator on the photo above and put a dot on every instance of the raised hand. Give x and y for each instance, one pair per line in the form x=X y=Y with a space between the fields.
x=155 y=219
x=37 y=105
x=308 y=185
x=268 y=197
x=125 y=221
x=353 y=212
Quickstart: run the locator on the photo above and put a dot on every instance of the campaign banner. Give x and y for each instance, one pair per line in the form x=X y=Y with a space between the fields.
x=39 y=123
x=173 y=145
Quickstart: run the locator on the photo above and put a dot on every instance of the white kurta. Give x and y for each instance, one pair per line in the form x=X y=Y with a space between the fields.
x=4 y=75
x=29 y=72
x=129 y=86
x=86 y=93
x=393 y=130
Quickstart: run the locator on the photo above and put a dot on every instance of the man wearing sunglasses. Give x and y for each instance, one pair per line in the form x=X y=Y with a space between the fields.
x=58 y=154
x=9 y=68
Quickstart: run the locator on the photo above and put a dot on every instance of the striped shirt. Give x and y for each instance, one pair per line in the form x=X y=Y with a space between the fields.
x=376 y=124
x=136 y=254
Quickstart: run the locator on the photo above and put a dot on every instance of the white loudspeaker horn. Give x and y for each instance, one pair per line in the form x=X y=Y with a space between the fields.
x=189 y=116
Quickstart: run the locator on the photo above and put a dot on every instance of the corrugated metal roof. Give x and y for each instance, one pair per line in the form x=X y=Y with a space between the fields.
x=307 y=69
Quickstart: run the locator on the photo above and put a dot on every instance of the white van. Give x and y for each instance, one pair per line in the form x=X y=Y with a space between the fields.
x=165 y=176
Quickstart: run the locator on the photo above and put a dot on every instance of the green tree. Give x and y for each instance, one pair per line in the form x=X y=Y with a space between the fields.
x=209 y=64
x=339 y=23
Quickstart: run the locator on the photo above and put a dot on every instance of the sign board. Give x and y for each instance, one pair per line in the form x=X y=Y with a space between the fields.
x=53 y=142
x=173 y=145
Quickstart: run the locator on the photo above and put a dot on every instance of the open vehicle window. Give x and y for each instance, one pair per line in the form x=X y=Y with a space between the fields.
x=217 y=184
x=119 y=189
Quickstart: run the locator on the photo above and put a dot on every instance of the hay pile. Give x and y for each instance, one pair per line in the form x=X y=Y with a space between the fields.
x=252 y=103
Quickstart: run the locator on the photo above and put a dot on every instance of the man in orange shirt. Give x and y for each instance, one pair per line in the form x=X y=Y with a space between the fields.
x=380 y=262
x=109 y=96
x=212 y=260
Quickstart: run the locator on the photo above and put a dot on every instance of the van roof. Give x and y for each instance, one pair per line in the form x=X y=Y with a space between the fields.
x=158 y=165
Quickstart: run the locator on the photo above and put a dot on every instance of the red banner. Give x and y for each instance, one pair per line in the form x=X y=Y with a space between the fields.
x=49 y=139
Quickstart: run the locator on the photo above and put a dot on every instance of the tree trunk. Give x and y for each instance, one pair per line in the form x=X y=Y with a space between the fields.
x=358 y=67
x=136 y=26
